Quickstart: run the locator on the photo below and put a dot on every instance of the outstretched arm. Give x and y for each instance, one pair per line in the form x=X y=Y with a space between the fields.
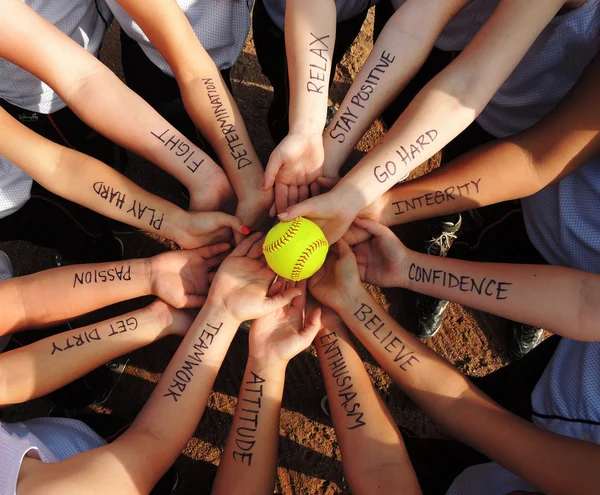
x=553 y=463
x=101 y=100
x=374 y=457
x=207 y=100
x=46 y=365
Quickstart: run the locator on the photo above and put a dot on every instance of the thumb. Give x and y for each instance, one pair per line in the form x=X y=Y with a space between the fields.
x=280 y=300
x=273 y=165
x=371 y=226
x=312 y=325
x=304 y=209
x=220 y=220
x=328 y=182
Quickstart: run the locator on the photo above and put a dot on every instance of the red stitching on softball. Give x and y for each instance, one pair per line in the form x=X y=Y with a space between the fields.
x=289 y=234
x=297 y=270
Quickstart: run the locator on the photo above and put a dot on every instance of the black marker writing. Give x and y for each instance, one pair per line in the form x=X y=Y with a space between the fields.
x=349 y=117
x=484 y=287
x=83 y=338
x=392 y=344
x=318 y=69
x=343 y=380
x=248 y=410
x=237 y=149
x=86 y=277
x=185 y=373
x=180 y=147
x=437 y=197
x=123 y=326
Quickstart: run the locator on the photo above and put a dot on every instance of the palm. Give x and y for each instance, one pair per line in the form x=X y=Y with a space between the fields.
x=277 y=335
x=302 y=157
x=376 y=261
x=338 y=272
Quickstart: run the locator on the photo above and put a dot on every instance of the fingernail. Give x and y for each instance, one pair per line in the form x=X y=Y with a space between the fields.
x=245 y=230
x=283 y=215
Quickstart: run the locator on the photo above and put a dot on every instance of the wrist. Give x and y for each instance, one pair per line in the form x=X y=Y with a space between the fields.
x=217 y=304
x=402 y=276
x=272 y=365
x=312 y=128
x=345 y=300
x=174 y=226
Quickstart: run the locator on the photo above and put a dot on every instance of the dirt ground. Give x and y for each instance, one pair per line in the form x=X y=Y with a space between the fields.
x=309 y=454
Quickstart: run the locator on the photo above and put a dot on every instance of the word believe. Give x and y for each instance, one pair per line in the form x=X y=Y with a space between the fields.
x=384 y=172
x=247 y=435
x=137 y=210
x=185 y=373
x=227 y=128
x=87 y=337
x=464 y=283
x=318 y=72
x=347 y=119
x=437 y=197
x=183 y=149
x=373 y=324
x=87 y=277
x=343 y=380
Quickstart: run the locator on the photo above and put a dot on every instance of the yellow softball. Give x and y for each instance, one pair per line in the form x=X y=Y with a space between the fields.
x=295 y=250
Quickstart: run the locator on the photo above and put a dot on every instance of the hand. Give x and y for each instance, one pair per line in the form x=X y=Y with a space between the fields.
x=181 y=278
x=328 y=211
x=174 y=321
x=213 y=193
x=284 y=333
x=297 y=161
x=254 y=212
x=204 y=228
x=381 y=259
x=242 y=283
x=337 y=278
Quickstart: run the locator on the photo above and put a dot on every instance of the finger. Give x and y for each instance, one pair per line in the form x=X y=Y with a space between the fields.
x=344 y=250
x=315 y=189
x=328 y=182
x=313 y=323
x=277 y=287
x=280 y=300
x=356 y=235
x=237 y=237
x=372 y=227
x=281 y=197
x=303 y=193
x=224 y=220
x=273 y=165
x=216 y=260
x=300 y=301
x=211 y=277
x=193 y=301
x=304 y=209
x=256 y=250
x=208 y=252
x=246 y=244
x=273 y=211
x=293 y=194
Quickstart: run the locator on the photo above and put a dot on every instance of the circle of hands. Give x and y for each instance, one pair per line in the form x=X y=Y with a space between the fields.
x=286 y=318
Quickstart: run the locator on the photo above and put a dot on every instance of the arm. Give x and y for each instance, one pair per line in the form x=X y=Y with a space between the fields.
x=441 y=110
x=553 y=463
x=44 y=366
x=93 y=184
x=249 y=460
x=374 y=458
x=180 y=278
x=134 y=462
x=506 y=169
x=101 y=100
x=207 y=100
x=400 y=50
x=563 y=300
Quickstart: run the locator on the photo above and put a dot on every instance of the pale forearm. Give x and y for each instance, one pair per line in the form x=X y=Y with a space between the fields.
x=310 y=39
x=249 y=461
x=46 y=365
x=61 y=293
x=559 y=299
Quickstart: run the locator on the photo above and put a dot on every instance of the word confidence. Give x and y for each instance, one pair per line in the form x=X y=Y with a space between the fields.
x=343 y=380
x=487 y=287
x=247 y=435
x=137 y=210
x=373 y=324
x=318 y=71
x=185 y=373
x=437 y=197
x=227 y=128
x=88 y=336
x=384 y=172
x=183 y=149
x=348 y=118
x=95 y=276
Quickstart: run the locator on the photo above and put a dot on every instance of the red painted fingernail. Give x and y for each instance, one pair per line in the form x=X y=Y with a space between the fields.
x=245 y=230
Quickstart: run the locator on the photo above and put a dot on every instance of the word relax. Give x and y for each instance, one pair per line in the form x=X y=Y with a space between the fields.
x=317 y=72
x=342 y=378
x=249 y=410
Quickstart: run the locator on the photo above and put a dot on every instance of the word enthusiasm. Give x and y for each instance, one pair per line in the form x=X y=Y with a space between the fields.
x=246 y=435
x=372 y=322
x=348 y=118
x=184 y=149
x=318 y=70
x=237 y=149
x=437 y=197
x=185 y=373
x=342 y=378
